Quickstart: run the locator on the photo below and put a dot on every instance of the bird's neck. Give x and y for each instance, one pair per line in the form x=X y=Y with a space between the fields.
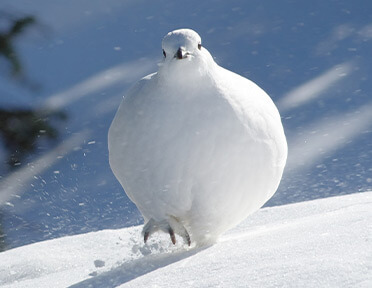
x=191 y=72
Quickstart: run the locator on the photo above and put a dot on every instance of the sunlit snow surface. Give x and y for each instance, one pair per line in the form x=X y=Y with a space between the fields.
x=319 y=243
x=313 y=58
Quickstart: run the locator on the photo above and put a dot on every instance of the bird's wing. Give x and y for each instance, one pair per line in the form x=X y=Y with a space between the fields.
x=120 y=126
x=255 y=109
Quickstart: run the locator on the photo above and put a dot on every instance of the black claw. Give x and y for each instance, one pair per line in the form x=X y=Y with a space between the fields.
x=188 y=240
x=172 y=236
x=146 y=236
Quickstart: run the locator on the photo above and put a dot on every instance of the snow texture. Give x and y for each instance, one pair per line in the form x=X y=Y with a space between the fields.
x=196 y=145
x=320 y=243
x=312 y=57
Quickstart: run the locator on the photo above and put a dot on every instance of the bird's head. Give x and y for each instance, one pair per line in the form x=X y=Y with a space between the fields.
x=185 y=60
x=181 y=44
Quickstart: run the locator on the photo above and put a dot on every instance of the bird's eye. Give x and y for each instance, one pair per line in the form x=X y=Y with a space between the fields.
x=199 y=46
x=165 y=54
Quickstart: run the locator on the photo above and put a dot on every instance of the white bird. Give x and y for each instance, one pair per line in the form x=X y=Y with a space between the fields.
x=196 y=147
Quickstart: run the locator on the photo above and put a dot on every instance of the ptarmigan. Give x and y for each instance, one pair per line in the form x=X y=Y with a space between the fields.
x=196 y=147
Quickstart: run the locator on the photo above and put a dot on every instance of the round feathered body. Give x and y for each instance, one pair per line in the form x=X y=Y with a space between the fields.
x=196 y=144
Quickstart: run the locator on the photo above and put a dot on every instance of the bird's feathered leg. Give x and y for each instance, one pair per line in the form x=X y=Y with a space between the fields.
x=179 y=229
x=171 y=226
x=149 y=228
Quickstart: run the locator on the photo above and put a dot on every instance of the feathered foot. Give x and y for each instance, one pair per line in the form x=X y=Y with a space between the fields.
x=171 y=226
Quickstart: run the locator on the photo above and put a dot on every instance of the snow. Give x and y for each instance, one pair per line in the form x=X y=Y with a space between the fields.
x=86 y=55
x=313 y=58
x=320 y=243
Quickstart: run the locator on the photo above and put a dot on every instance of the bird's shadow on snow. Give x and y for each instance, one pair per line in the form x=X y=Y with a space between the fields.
x=132 y=269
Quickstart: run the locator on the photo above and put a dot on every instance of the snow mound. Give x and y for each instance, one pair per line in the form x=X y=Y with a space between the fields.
x=321 y=243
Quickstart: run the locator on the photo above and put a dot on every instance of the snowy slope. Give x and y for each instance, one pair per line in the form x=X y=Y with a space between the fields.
x=320 y=243
x=312 y=57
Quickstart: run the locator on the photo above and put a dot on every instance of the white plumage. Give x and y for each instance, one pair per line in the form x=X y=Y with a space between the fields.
x=196 y=147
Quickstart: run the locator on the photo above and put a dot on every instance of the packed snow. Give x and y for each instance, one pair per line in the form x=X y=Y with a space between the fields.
x=320 y=243
x=311 y=57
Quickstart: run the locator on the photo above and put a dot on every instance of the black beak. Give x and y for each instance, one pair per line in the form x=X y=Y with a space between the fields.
x=180 y=53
